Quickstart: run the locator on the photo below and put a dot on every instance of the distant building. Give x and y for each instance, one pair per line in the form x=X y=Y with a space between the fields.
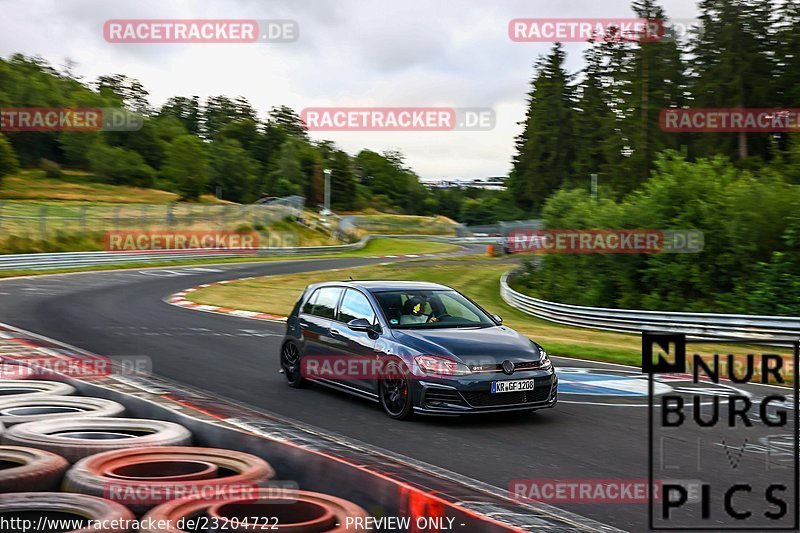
x=495 y=183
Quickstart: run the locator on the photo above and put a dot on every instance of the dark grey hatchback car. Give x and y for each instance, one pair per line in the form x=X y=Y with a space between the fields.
x=415 y=348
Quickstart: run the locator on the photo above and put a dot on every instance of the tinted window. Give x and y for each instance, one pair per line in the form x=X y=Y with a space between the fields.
x=458 y=307
x=430 y=309
x=325 y=303
x=355 y=305
x=309 y=305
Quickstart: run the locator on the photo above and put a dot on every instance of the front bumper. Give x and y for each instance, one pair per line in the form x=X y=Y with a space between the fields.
x=468 y=396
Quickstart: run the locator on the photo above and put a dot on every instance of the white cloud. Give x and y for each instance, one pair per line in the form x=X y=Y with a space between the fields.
x=350 y=53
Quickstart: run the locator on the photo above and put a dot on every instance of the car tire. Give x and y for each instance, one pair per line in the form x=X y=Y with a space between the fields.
x=38 y=470
x=99 y=435
x=15 y=388
x=108 y=516
x=394 y=391
x=290 y=364
x=32 y=408
x=165 y=470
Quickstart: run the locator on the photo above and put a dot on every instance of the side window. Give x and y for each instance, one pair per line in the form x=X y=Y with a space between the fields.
x=325 y=302
x=309 y=305
x=355 y=305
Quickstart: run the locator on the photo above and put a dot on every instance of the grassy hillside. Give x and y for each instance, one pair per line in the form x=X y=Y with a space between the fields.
x=73 y=212
x=33 y=185
x=405 y=224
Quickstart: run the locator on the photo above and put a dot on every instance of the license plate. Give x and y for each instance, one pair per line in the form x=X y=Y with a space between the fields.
x=516 y=385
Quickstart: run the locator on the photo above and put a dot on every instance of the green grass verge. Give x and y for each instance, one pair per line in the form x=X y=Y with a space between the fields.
x=479 y=278
x=406 y=224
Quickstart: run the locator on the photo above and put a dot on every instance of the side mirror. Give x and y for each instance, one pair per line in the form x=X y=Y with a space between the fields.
x=360 y=324
x=498 y=319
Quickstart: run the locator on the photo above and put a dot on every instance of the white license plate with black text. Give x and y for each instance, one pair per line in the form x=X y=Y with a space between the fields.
x=516 y=385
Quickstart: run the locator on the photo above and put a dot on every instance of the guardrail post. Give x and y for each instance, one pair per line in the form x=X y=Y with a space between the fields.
x=170 y=216
x=43 y=222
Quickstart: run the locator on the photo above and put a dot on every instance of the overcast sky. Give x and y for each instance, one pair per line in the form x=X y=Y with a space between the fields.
x=350 y=53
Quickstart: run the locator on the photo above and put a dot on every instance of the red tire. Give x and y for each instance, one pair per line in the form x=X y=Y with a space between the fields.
x=58 y=506
x=142 y=478
x=298 y=511
x=29 y=469
x=81 y=437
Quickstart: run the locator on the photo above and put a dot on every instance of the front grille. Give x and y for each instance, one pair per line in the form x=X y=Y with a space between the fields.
x=540 y=393
x=435 y=397
x=527 y=365
x=518 y=367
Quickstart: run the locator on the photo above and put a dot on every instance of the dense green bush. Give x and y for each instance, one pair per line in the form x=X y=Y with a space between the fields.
x=51 y=169
x=8 y=159
x=750 y=262
x=120 y=166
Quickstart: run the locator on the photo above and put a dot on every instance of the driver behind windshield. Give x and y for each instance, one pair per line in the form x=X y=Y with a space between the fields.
x=413 y=311
x=416 y=309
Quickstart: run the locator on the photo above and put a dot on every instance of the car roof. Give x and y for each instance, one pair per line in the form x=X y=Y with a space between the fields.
x=387 y=285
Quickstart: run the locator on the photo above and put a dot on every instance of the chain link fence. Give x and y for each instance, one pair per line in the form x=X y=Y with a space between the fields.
x=42 y=220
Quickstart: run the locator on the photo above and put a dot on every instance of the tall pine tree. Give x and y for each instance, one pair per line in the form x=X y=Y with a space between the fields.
x=599 y=145
x=653 y=77
x=545 y=149
x=734 y=67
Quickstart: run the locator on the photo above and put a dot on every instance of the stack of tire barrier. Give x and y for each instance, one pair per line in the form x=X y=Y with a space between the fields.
x=113 y=469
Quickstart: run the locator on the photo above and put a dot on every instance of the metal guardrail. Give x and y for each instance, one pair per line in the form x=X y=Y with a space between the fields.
x=695 y=325
x=51 y=261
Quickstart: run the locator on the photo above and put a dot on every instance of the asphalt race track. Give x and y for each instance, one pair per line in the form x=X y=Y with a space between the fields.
x=121 y=313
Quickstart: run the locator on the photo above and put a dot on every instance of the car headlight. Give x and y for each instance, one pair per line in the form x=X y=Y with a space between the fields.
x=430 y=364
x=544 y=362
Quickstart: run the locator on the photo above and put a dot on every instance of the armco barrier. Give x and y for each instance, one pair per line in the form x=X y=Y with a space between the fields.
x=45 y=261
x=695 y=325
x=49 y=261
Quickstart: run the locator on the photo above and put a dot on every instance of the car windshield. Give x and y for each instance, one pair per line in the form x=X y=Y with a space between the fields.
x=426 y=309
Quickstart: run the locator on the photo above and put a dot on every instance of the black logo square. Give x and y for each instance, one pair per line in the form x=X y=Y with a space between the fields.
x=663 y=343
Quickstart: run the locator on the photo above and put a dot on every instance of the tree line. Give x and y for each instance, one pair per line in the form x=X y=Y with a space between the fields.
x=605 y=119
x=218 y=145
x=742 y=190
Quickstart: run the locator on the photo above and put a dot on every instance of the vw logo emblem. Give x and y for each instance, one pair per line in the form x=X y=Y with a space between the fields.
x=508 y=367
